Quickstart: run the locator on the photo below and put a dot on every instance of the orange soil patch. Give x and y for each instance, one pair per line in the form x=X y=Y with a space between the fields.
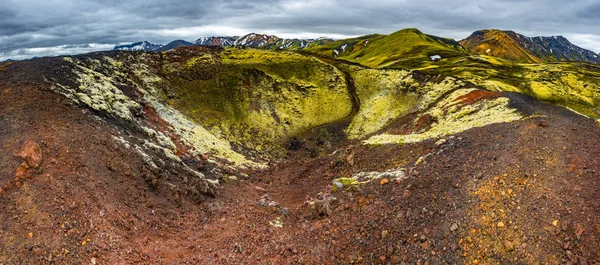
x=474 y=96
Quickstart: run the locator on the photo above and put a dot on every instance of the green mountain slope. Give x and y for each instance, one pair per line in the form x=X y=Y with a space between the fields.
x=408 y=48
x=496 y=60
x=345 y=47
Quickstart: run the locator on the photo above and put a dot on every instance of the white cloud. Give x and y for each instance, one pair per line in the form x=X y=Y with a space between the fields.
x=27 y=53
x=193 y=33
x=23 y=26
x=586 y=41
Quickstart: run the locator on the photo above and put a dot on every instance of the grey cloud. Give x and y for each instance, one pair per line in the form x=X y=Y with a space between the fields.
x=590 y=12
x=27 y=24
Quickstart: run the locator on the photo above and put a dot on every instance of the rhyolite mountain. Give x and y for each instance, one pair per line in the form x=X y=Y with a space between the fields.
x=216 y=41
x=252 y=40
x=262 y=41
x=519 y=48
x=138 y=46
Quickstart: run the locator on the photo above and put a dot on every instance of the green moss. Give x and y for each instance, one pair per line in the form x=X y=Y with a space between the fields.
x=98 y=91
x=352 y=45
x=541 y=91
x=228 y=101
x=408 y=48
x=113 y=62
x=97 y=88
x=482 y=113
x=259 y=98
x=573 y=85
x=347 y=182
x=384 y=95
x=205 y=58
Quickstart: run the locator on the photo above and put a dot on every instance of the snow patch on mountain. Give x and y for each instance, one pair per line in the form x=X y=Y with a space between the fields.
x=260 y=41
x=138 y=46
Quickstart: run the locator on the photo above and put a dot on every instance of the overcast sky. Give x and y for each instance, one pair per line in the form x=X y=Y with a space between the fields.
x=54 y=27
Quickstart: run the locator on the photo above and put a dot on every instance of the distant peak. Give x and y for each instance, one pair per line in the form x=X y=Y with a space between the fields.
x=560 y=37
x=493 y=31
x=410 y=30
x=137 y=46
x=513 y=46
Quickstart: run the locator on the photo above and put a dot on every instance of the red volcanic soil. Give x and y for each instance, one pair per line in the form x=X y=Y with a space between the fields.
x=474 y=96
x=513 y=193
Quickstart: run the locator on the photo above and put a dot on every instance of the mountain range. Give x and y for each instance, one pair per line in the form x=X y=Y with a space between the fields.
x=262 y=41
x=513 y=46
x=409 y=47
x=250 y=40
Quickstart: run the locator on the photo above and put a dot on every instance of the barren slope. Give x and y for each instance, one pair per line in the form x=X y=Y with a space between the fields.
x=140 y=165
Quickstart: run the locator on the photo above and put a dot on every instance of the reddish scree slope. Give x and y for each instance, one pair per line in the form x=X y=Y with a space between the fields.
x=88 y=201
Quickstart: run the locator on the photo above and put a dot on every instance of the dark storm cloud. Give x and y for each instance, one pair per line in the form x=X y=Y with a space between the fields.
x=30 y=26
x=590 y=12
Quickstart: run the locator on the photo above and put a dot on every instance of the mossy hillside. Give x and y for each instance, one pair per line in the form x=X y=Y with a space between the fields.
x=101 y=81
x=388 y=94
x=567 y=84
x=452 y=118
x=258 y=98
x=384 y=95
x=98 y=90
x=409 y=48
x=573 y=85
x=352 y=45
x=551 y=82
x=294 y=44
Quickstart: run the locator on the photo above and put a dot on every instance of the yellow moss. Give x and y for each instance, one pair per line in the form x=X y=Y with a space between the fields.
x=205 y=58
x=259 y=56
x=383 y=95
x=494 y=60
x=569 y=84
x=98 y=92
x=265 y=97
x=198 y=138
x=480 y=114
x=433 y=91
x=541 y=90
x=377 y=112
x=494 y=85
x=112 y=62
x=347 y=182
x=276 y=223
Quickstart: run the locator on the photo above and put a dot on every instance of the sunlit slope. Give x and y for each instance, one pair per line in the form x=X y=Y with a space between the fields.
x=407 y=48
x=515 y=47
x=575 y=85
x=498 y=43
